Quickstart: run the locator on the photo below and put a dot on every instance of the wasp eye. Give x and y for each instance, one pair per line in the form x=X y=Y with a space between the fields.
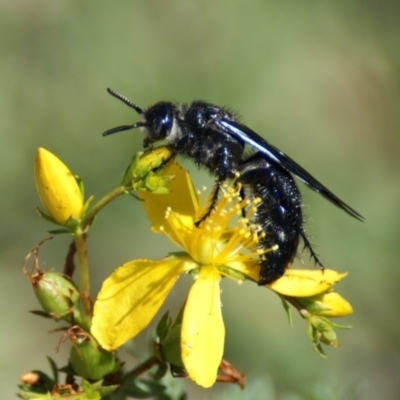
x=160 y=118
x=162 y=125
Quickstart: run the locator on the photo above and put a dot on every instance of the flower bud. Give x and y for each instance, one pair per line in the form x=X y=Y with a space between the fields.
x=88 y=359
x=57 y=295
x=321 y=330
x=142 y=174
x=58 y=189
x=329 y=304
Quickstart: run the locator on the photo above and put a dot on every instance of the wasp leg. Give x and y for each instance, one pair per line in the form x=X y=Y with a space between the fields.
x=223 y=171
x=307 y=245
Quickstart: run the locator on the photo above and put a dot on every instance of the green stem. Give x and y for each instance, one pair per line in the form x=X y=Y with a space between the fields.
x=141 y=368
x=118 y=191
x=80 y=236
x=302 y=311
x=81 y=249
x=84 y=281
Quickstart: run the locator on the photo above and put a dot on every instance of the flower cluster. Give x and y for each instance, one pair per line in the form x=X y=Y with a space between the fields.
x=225 y=245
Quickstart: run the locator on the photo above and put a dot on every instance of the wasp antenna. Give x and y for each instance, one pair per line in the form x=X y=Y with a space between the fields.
x=125 y=100
x=123 y=128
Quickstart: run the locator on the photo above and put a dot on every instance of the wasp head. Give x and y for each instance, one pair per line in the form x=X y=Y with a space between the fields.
x=158 y=122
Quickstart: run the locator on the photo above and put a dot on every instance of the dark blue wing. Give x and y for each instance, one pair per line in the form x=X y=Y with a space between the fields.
x=249 y=137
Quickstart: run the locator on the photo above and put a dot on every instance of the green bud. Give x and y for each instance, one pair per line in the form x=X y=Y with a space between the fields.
x=322 y=331
x=57 y=295
x=142 y=173
x=88 y=359
x=153 y=183
x=329 y=337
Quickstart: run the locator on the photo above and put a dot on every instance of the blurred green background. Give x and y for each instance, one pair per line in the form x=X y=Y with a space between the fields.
x=319 y=79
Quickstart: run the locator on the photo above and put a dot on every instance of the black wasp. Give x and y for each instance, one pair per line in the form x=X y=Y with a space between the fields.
x=214 y=138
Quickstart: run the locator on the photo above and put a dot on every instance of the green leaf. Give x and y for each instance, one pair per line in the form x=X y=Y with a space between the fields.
x=287 y=310
x=163 y=326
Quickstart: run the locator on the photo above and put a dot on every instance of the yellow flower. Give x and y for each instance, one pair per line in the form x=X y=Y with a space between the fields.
x=132 y=295
x=57 y=188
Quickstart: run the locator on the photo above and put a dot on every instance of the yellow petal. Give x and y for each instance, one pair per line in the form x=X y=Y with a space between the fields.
x=249 y=269
x=306 y=283
x=130 y=297
x=182 y=197
x=57 y=187
x=203 y=331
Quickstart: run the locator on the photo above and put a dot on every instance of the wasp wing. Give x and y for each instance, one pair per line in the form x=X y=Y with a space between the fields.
x=251 y=138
